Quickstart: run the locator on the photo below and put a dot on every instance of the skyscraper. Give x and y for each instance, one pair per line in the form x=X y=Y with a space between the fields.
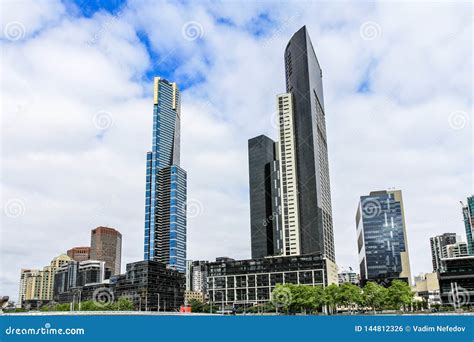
x=106 y=245
x=437 y=243
x=468 y=214
x=304 y=83
x=289 y=180
x=288 y=176
x=165 y=197
x=382 y=238
x=265 y=224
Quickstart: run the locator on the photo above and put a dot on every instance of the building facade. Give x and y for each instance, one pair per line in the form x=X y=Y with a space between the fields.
x=29 y=285
x=382 y=238
x=151 y=286
x=48 y=275
x=288 y=176
x=199 y=277
x=251 y=282
x=106 y=245
x=79 y=253
x=193 y=295
x=427 y=288
x=265 y=221
x=455 y=250
x=348 y=276
x=304 y=82
x=437 y=244
x=468 y=215
x=38 y=285
x=165 y=197
x=76 y=274
x=456 y=281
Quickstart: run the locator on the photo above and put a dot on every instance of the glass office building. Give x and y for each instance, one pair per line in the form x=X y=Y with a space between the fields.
x=165 y=200
x=381 y=237
x=250 y=282
x=264 y=184
x=304 y=82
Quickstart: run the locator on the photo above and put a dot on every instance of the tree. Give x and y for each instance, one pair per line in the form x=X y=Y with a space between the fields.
x=400 y=295
x=331 y=298
x=374 y=295
x=196 y=305
x=284 y=296
x=123 y=304
x=349 y=295
x=316 y=298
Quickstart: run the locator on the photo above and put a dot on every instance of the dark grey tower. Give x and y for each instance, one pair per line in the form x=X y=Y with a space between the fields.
x=264 y=198
x=304 y=81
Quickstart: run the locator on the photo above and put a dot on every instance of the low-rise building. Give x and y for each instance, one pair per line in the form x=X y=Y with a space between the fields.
x=250 y=282
x=427 y=288
x=456 y=281
x=76 y=274
x=348 y=276
x=152 y=286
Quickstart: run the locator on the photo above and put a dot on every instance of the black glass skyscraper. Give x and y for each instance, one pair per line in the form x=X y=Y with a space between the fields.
x=264 y=197
x=304 y=82
x=297 y=185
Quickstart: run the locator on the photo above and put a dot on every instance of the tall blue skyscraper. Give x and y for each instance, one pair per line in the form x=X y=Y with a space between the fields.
x=165 y=199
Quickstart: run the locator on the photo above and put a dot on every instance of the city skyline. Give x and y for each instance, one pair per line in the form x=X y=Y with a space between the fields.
x=110 y=168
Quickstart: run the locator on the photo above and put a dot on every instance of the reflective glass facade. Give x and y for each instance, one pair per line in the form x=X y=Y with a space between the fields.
x=265 y=219
x=382 y=237
x=165 y=199
x=304 y=82
x=244 y=282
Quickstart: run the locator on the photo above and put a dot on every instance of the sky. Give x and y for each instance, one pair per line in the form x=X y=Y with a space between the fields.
x=76 y=115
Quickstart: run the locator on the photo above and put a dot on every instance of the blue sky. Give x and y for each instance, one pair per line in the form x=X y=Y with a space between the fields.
x=76 y=82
